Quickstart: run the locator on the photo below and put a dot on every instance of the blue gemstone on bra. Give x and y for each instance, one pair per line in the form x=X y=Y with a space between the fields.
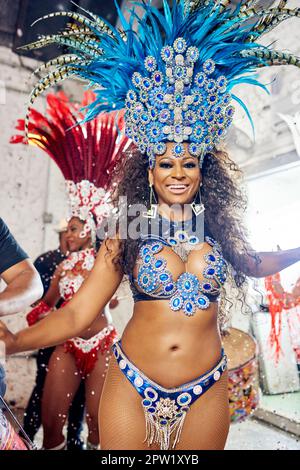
x=147 y=258
x=193 y=240
x=145 y=279
x=150 y=394
x=207 y=286
x=201 y=301
x=211 y=271
x=181 y=236
x=156 y=247
x=187 y=285
x=164 y=277
x=151 y=410
x=189 y=309
x=158 y=263
x=212 y=258
x=145 y=250
x=163 y=422
x=172 y=241
x=176 y=302
x=169 y=287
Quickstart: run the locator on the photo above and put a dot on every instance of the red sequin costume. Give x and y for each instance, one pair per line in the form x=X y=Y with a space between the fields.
x=87 y=156
x=75 y=269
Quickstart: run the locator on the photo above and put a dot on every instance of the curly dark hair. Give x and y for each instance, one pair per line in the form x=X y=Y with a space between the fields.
x=225 y=202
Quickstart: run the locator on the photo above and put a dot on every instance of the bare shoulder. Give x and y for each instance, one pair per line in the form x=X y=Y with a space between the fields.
x=110 y=250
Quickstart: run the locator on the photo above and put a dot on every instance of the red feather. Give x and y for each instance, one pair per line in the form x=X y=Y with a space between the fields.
x=82 y=152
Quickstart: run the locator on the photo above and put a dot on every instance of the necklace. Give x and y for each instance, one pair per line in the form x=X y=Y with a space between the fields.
x=182 y=236
x=182 y=250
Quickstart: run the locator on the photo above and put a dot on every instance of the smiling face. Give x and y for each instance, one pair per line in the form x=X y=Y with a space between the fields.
x=176 y=180
x=73 y=238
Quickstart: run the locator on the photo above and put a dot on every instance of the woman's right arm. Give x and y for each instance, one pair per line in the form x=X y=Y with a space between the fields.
x=78 y=314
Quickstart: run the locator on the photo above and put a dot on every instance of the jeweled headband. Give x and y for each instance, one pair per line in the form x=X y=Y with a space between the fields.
x=173 y=104
x=175 y=74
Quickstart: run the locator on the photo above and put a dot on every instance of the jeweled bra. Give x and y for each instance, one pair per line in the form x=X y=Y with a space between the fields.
x=155 y=282
x=73 y=268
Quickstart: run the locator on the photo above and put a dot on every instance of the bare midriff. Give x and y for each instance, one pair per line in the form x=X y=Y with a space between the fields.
x=98 y=324
x=170 y=347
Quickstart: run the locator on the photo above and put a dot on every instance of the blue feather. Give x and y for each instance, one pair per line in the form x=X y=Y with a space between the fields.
x=242 y=104
x=219 y=34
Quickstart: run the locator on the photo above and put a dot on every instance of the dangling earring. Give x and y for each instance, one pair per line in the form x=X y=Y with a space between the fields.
x=198 y=206
x=152 y=211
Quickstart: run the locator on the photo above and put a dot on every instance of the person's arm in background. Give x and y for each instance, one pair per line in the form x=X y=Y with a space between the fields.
x=69 y=321
x=263 y=264
x=24 y=285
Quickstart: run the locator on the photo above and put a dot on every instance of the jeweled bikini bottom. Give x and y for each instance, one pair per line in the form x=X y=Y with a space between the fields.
x=85 y=351
x=166 y=408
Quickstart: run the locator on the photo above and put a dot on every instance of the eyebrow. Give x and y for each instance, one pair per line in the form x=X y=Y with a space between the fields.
x=172 y=158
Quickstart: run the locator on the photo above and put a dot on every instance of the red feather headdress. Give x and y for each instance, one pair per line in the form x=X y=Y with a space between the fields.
x=86 y=154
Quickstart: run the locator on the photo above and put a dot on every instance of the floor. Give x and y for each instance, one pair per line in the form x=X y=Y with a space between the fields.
x=255 y=435
x=287 y=405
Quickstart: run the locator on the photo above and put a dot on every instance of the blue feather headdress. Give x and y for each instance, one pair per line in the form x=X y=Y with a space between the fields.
x=174 y=75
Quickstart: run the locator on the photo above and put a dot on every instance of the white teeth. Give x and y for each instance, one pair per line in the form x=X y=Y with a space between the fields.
x=177 y=186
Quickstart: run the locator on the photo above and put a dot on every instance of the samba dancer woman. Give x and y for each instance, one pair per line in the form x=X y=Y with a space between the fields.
x=87 y=175
x=175 y=77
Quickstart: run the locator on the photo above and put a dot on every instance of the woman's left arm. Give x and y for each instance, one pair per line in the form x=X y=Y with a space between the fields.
x=262 y=264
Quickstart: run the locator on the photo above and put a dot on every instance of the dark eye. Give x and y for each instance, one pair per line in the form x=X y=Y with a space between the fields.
x=165 y=165
x=190 y=165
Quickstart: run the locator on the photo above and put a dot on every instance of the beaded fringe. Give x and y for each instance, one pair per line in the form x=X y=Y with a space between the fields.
x=161 y=434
